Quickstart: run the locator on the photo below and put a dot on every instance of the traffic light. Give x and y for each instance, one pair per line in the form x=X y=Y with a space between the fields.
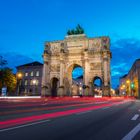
x=132 y=85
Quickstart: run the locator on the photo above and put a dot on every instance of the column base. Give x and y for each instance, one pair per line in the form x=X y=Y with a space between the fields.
x=106 y=91
x=60 y=91
x=45 y=92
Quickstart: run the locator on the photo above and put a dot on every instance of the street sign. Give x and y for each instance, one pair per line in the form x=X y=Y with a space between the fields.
x=4 y=90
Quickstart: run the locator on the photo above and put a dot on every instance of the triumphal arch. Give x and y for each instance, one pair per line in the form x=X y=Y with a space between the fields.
x=62 y=56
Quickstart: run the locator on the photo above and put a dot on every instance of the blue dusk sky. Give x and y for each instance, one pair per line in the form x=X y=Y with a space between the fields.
x=26 y=24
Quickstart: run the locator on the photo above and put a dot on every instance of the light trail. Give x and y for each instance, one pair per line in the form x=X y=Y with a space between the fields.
x=33 y=102
x=48 y=108
x=25 y=120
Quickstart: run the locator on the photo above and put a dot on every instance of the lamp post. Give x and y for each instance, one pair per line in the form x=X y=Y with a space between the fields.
x=128 y=87
x=34 y=84
x=123 y=89
x=19 y=77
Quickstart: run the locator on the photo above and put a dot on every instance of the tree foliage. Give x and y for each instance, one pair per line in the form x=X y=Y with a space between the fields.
x=78 y=30
x=8 y=79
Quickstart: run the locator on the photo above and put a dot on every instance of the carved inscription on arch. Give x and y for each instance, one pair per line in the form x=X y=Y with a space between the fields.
x=95 y=44
x=55 y=68
x=95 y=66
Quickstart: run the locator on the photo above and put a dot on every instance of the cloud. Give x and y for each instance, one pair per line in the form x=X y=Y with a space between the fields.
x=124 y=52
x=15 y=59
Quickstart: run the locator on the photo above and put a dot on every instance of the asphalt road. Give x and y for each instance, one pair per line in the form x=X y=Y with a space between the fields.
x=112 y=122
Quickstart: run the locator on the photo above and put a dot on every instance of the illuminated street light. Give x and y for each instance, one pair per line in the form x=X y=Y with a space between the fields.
x=19 y=77
x=34 y=81
x=128 y=81
x=128 y=87
x=80 y=92
x=123 y=86
x=80 y=88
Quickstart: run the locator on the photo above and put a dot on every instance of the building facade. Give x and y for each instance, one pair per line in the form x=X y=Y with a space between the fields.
x=29 y=78
x=130 y=83
x=61 y=57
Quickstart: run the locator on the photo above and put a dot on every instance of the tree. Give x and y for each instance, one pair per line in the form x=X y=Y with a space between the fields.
x=8 y=79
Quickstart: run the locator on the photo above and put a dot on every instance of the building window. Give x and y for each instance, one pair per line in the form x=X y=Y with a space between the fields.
x=26 y=82
x=31 y=82
x=26 y=73
x=25 y=90
x=37 y=82
x=37 y=73
x=32 y=73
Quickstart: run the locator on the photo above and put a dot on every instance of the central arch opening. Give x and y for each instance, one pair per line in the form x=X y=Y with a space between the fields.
x=54 y=87
x=97 y=86
x=77 y=80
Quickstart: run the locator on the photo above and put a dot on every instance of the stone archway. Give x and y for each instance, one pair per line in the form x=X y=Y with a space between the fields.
x=54 y=87
x=97 y=86
x=75 y=84
x=60 y=57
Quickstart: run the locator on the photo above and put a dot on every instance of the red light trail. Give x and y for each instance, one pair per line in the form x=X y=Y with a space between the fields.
x=24 y=120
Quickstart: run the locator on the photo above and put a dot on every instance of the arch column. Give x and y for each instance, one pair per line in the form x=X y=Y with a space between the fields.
x=90 y=88
x=86 y=69
x=46 y=76
x=61 y=84
x=106 y=88
x=61 y=73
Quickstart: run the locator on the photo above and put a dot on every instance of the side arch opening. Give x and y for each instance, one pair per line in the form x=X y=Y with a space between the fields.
x=54 y=86
x=97 y=86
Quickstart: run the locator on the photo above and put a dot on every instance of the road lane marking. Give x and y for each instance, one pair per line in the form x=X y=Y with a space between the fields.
x=25 y=125
x=135 y=117
x=83 y=112
x=105 y=108
x=132 y=133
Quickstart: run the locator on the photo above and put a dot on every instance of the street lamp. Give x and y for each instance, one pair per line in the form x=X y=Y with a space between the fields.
x=128 y=81
x=34 y=84
x=123 y=86
x=80 y=91
x=123 y=89
x=19 y=77
x=128 y=87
